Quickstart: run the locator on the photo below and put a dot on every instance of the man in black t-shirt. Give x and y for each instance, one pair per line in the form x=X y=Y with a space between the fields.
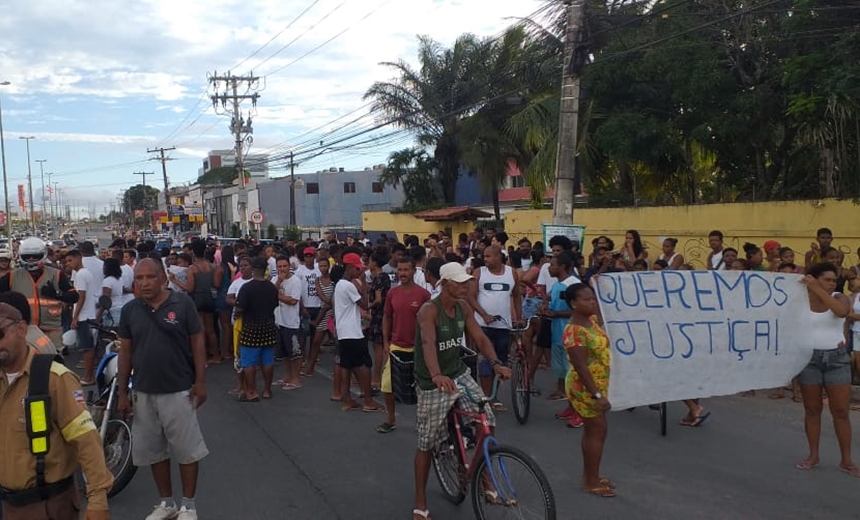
x=256 y=304
x=163 y=341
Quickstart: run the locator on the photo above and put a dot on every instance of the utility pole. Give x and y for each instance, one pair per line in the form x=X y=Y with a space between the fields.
x=42 y=198
x=239 y=127
x=5 y=179
x=143 y=174
x=565 y=173
x=164 y=160
x=30 y=185
x=292 y=191
x=55 y=205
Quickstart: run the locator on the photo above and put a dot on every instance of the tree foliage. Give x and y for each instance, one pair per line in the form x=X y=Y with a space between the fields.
x=134 y=198
x=415 y=170
x=681 y=102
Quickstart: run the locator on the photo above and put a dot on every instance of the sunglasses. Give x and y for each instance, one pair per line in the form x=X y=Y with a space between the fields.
x=30 y=258
x=3 y=329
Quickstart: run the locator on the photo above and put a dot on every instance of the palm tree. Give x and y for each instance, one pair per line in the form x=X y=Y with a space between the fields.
x=433 y=99
x=415 y=170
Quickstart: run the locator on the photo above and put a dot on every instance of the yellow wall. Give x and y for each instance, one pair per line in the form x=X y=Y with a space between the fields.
x=792 y=224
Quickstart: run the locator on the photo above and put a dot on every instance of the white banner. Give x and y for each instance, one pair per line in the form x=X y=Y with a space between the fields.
x=679 y=335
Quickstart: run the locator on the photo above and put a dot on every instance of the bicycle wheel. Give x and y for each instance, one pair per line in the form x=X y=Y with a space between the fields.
x=663 y=419
x=521 y=483
x=450 y=470
x=520 y=394
x=117 y=450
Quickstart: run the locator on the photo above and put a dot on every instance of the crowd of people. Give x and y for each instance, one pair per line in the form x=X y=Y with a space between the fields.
x=270 y=308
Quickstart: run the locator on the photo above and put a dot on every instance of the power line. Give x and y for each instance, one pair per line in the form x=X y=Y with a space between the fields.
x=275 y=37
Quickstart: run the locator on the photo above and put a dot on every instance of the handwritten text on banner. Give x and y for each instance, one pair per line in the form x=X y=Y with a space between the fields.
x=687 y=334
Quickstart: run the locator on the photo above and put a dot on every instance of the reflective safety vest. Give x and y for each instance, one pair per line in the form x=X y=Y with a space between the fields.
x=46 y=312
x=37 y=406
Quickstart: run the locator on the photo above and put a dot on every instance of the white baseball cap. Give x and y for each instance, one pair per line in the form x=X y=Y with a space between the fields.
x=454 y=272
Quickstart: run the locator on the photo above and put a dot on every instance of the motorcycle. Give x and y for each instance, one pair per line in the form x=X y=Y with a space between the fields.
x=102 y=402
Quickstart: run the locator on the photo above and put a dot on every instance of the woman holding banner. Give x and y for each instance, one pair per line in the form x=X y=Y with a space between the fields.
x=587 y=382
x=830 y=366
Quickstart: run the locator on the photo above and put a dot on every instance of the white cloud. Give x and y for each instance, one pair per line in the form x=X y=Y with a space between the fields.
x=84 y=138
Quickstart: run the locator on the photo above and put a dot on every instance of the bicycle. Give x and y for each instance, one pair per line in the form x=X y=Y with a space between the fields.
x=521 y=384
x=490 y=472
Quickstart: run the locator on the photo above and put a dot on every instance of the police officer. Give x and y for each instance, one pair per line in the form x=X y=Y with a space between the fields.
x=47 y=288
x=47 y=439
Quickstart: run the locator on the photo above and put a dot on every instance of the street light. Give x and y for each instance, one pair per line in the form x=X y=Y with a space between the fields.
x=5 y=180
x=30 y=184
x=42 y=194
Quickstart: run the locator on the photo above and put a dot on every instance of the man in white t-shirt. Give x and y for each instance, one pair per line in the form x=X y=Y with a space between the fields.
x=287 y=318
x=308 y=274
x=128 y=258
x=88 y=293
x=350 y=296
x=92 y=263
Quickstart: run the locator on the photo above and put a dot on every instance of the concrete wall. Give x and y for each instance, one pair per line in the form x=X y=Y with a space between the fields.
x=331 y=208
x=792 y=224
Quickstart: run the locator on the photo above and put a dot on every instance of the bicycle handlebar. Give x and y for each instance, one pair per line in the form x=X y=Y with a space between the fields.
x=487 y=399
x=98 y=326
x=510 y=325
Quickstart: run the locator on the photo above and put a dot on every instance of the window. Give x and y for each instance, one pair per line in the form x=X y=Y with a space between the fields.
x=376 y=187
x=349 y=187
x=313 y=188
x=517 y=181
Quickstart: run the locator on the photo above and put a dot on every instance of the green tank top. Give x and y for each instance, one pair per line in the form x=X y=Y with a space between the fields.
x=449 y=341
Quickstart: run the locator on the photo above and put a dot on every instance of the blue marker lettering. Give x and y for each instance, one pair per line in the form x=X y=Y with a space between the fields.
x=621 y=343
x=762 y=297
x=779 y=290
x=710 y=325
x=681 y=327
x=733 y=340
x=671 y=344
x=613 y=300
x=720 y=279
x=674 y=290
x=761 y=330
x=621 y=286
x=700 y=292
x=645 y=292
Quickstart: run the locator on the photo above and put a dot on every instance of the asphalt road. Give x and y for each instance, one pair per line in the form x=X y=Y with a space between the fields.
x=299 y=457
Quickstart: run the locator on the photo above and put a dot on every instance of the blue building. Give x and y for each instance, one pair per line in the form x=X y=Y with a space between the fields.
x=331 y=198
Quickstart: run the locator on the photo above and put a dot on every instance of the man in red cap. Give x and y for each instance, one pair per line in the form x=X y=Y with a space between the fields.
x=771 y=251
x=350 y=295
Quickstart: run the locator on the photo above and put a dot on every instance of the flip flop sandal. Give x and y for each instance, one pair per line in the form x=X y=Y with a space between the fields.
x=372 y=409
x=605 y=482
x=351 y=407
x=851 y=470
x=244 y=399
x=423 y=513
x=386 y=428
x=805 y=465
x=267 y=396
x=492 y=497
x=700 y=419
x=600 y=491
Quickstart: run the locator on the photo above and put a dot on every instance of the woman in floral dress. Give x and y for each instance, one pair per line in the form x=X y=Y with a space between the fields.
x=587 y=382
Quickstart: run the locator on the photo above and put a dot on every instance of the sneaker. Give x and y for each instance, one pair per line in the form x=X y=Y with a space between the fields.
x=575 y=422
x=566 y=414
x=187 y=514
x=162 y=512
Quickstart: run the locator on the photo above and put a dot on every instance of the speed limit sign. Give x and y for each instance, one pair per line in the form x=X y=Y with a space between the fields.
x=257 y=217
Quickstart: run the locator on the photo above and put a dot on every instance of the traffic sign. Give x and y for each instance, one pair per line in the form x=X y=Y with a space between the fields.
x=257 y=217
x=2 y=218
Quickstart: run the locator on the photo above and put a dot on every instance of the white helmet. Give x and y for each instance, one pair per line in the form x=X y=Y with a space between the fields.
x=35 y=250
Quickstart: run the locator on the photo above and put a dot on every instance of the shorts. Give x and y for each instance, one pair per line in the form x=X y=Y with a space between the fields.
x=289 y=343
x=353 y=353
x=313 y=312
x=544 y=335
x=431 y=413
x=385 y=385
x=86 y=339
x=828 y=367
x=252 y=356
x=530 y=306
x=501 y=340
x=165 y=427
x=203 y=302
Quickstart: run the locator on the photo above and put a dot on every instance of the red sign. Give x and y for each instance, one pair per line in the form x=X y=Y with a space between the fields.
x=21 y=198
x=138 y=213
x=2 y=218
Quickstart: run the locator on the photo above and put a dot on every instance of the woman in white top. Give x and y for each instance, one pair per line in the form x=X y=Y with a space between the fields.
x=112 y=288
x=829 y=367
x=673 y=259
x=852 y=323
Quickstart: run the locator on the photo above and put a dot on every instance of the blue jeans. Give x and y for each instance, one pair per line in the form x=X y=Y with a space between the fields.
x=501 y=340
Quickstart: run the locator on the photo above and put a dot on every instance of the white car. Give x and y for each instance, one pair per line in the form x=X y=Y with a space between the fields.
x=94 y=240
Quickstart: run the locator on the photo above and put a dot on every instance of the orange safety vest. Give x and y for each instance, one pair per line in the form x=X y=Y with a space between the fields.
x=46 y=313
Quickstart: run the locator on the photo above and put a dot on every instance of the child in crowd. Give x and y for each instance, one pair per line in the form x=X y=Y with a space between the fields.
x=178 y=272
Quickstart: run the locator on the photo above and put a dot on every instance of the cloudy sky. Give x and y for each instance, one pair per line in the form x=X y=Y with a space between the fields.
x=97 y=83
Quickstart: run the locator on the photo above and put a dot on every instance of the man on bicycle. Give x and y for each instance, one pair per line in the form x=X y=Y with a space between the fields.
x=439 y=371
